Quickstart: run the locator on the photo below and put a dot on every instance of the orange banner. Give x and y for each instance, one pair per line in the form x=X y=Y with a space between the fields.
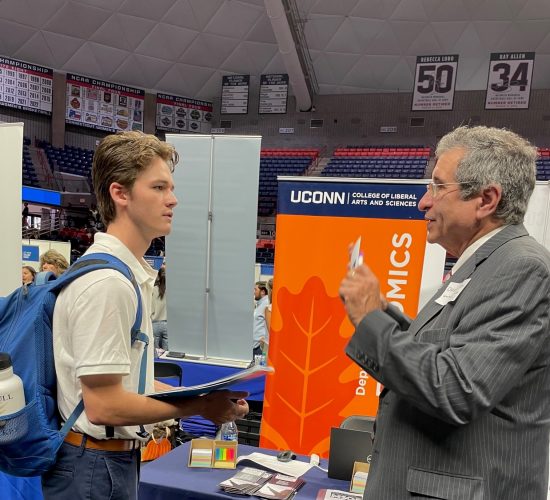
x=315 y=385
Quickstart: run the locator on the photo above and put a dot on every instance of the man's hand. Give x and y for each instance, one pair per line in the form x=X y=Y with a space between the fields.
x=223 y=406
x=161 y=386
x=360 y=292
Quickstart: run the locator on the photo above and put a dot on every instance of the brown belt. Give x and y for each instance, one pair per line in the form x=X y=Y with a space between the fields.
x=76 y=438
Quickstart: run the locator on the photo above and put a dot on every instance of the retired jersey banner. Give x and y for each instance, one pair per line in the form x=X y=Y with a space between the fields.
x=434 y=82
x=509 y=81
x=315 y=385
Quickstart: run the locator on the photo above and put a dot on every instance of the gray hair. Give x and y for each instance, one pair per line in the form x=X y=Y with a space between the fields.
x=494 y=156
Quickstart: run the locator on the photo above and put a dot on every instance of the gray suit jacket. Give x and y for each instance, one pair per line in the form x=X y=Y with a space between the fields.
x=465 y=411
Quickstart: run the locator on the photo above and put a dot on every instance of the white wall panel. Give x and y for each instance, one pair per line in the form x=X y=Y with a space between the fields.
x=217 y=174
x=11 y=160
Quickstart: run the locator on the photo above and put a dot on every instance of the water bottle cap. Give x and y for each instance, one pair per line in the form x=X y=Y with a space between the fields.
x=5 y=360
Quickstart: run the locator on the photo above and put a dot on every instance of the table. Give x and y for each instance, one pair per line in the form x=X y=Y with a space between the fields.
x=169 y=478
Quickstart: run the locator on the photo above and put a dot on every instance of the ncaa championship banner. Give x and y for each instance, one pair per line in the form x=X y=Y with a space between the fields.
x=315 y=385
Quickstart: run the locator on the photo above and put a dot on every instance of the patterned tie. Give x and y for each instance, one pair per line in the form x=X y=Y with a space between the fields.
x=448 y=275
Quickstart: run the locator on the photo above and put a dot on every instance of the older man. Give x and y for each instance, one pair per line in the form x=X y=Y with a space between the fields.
x=465 y=409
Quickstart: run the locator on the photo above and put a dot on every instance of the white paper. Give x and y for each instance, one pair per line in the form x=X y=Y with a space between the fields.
x=452 y=291
x=356 y=258
x=294 y=468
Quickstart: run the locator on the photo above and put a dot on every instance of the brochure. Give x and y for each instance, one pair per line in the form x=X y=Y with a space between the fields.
x=280 y=487
x=214 y=385
x=246 y=481
x=250 y=481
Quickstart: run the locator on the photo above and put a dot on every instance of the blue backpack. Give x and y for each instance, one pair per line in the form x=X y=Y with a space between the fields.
x=30 y=438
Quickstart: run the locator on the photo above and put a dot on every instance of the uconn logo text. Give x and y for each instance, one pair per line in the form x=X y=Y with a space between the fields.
x=318 y=197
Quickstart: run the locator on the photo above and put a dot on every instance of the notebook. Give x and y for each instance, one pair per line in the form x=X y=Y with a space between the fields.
x=347 y=446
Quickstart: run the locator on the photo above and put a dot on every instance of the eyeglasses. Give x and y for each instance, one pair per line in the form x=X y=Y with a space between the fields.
x=434 y=187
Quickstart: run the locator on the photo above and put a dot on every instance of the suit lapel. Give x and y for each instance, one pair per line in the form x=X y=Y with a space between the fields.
x=432 y=308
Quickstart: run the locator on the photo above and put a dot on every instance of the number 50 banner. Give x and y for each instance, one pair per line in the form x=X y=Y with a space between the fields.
x=434 y=83
x=509 y=82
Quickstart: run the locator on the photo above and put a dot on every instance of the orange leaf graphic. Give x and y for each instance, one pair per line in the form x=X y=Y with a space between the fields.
x=312 y=382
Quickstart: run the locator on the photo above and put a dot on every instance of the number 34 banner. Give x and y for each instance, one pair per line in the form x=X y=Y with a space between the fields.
x=434 y=83
x=509 y=82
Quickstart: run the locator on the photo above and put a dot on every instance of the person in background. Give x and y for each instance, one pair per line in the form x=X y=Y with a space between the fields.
x=93 y=215
x=62 y=218
x=158 y=312
x=268 y=308
x=25 y=214
x=27 y=275
x=53 y=261
x=465 y=409
x=260 y=335
x=95 y=361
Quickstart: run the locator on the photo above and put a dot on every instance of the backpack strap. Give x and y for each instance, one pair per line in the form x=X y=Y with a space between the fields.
x=97 y=261
x=93 y=262
x=43 y=277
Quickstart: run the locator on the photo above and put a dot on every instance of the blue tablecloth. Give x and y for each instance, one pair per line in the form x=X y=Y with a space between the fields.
x=169 y=478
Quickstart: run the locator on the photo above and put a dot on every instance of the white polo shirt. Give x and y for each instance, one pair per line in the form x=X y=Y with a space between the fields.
x=92 y=321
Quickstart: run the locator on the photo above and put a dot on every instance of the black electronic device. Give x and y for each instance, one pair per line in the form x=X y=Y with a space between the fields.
x=175 y=354
x=347 y=446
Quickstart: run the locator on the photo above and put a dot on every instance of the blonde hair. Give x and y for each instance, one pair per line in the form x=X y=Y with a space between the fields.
x=120 y=158
x=54 y=258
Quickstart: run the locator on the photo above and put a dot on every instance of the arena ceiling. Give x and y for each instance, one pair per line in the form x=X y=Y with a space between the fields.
x=185 y=46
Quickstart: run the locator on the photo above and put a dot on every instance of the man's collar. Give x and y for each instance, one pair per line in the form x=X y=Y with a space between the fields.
x=488 y=246
x=471 y=249
x=140 y=267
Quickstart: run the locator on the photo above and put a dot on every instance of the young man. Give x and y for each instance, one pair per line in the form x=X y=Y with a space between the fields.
x=132 y=176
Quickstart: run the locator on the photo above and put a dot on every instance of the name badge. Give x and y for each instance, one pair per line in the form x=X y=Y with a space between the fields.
x=451 y=293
